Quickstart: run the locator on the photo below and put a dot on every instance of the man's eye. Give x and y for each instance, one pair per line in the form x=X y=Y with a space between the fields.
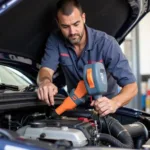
x=65 y=27
x=76 y=24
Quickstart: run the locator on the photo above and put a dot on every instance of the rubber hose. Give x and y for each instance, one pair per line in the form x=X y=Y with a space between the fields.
x=118 y=131
x=114 y=142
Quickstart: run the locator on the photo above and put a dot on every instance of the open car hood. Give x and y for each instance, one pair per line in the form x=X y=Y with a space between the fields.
x=26 y=24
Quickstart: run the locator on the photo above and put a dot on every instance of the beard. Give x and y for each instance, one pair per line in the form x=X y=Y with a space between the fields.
x=75 y=38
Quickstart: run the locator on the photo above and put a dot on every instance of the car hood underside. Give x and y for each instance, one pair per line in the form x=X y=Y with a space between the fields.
x=25 y=26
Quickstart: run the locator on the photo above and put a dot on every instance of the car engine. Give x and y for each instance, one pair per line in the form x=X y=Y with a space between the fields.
x=78 y=128
x=78 y=133
x=87 y=130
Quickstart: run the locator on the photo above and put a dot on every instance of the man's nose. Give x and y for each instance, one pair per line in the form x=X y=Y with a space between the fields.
x=72 y=30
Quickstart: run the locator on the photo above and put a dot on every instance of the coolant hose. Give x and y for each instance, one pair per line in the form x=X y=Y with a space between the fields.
x=113 y=141
x=139 y=133
x=123 y=138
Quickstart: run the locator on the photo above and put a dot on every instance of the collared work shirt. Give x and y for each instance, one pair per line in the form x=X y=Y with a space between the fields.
x=100 y=47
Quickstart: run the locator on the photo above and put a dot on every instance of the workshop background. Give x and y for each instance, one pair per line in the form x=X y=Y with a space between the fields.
x=136 y=47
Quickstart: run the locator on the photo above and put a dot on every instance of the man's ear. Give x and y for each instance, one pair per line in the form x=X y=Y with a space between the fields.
x=84 y=17
x=57 y=22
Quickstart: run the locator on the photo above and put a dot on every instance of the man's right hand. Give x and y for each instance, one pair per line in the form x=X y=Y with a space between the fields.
x=46 y=92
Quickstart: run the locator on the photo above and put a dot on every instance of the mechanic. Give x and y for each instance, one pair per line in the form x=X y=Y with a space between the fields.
x=74 y=45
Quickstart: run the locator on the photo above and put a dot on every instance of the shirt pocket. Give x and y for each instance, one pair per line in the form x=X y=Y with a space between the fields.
x=66 y=61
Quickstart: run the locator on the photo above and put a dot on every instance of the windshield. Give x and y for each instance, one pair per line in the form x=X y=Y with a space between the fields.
x=13 y=77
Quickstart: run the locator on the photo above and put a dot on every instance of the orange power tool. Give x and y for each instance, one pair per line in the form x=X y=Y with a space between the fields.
x=94 y=83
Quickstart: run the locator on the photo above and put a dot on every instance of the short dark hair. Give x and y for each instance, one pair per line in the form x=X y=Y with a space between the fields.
x=66 y=6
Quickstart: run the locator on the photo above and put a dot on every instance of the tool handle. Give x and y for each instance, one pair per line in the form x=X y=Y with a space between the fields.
x=97 y=97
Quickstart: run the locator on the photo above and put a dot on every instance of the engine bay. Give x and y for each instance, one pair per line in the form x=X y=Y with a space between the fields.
x=77 y=128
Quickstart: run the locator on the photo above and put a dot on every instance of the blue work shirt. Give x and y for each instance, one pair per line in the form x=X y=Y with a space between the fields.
x=100 y=47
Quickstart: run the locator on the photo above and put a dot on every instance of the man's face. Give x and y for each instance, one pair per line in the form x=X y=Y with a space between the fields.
x=72 y=26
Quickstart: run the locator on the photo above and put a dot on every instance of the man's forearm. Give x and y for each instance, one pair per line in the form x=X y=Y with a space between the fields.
x=126 y=94
x=47 y=89
x=44 y=75
x=105 y=106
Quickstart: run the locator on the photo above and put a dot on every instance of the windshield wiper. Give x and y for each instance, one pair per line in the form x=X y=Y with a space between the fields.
x=8 y=87
x=30 y=88
x=4 y=87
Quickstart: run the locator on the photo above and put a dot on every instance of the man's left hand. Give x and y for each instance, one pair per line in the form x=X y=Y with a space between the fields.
x=104 y=106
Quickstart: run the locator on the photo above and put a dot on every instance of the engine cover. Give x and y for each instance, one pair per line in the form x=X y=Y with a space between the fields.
x=77 y=132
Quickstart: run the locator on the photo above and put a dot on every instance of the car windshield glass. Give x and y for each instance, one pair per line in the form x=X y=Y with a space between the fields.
x=14 y=80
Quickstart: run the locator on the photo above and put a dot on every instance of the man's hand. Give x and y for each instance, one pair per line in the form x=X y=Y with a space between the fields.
x=46 y=92
x=104 y=106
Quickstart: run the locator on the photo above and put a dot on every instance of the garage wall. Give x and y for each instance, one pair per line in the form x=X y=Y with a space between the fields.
x=144 y=38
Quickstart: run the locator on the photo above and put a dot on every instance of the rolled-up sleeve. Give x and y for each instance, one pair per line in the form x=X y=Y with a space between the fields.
x=116 y=63
x=51 y=55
